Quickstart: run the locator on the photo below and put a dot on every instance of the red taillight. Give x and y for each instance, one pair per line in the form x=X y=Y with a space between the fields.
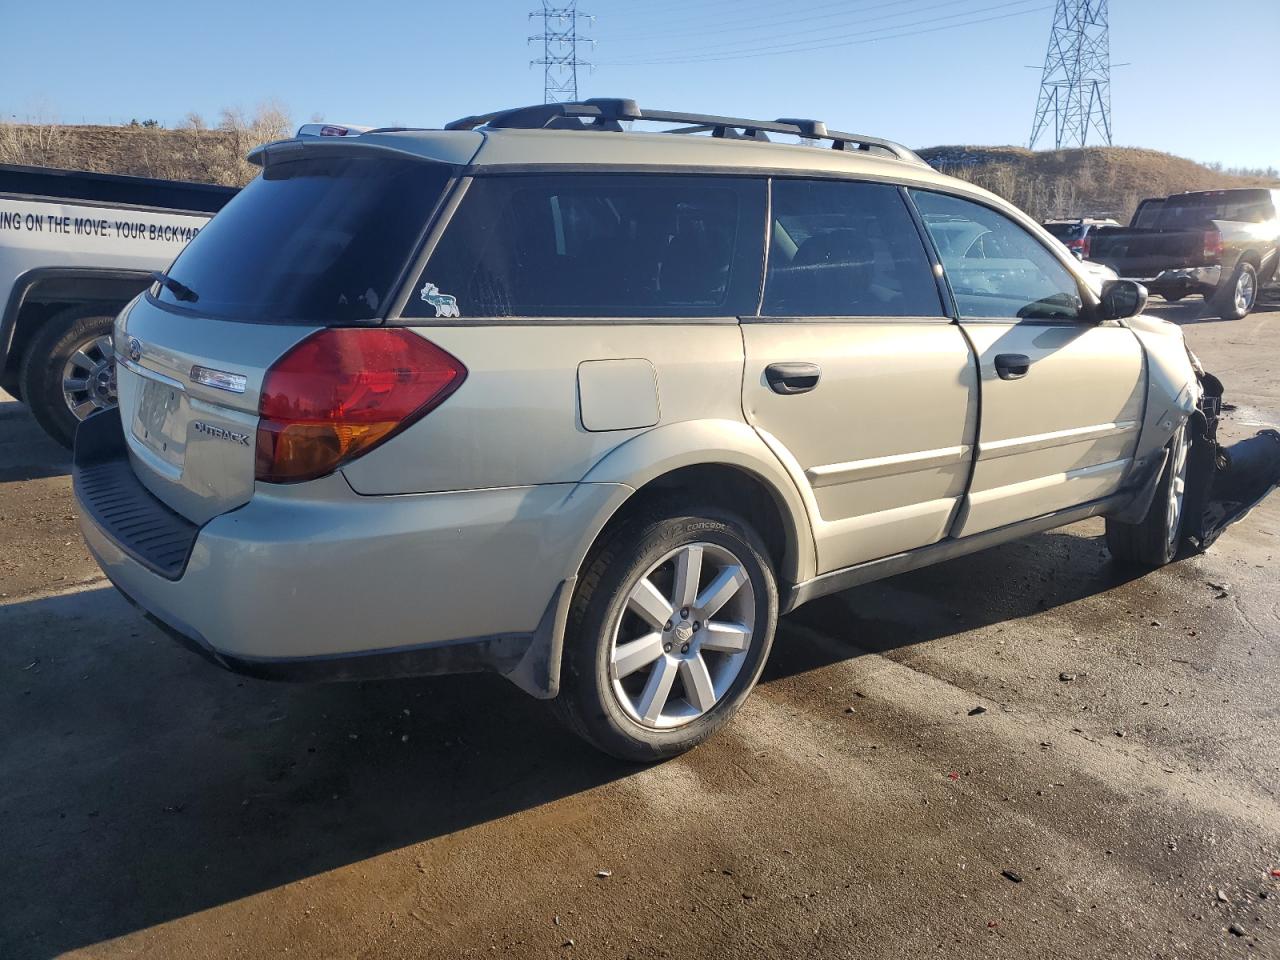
x=341 y=392
x=1085 y=243
x=1213 y=244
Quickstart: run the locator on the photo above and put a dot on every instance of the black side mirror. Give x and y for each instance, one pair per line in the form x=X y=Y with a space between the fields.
x=1121 y=299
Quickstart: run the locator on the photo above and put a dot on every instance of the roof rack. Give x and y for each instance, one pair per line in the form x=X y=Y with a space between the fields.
x=608 y=115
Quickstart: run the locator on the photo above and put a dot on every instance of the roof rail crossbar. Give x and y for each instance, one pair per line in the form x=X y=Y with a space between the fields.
x=608 y=114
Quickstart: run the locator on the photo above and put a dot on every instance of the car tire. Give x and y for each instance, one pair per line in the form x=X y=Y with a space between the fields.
x=1173 y=297
x=643 y=688
x=70 y=348
x=1157 y=538
x=1239 y=295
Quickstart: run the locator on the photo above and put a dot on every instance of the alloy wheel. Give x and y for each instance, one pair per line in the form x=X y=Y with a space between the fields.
x=89 y=378
x=1246 y=291
x=1177 y=490
x=683 y=636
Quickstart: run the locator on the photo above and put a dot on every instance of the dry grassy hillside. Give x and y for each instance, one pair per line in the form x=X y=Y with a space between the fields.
x=1095 y=181
x=192 y=151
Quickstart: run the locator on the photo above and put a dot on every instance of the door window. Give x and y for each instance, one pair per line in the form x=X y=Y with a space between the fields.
x=598 y=245
x=844 y=249
x=995 y=267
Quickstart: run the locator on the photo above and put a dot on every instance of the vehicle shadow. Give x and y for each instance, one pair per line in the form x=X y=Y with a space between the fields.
x=26 y=451
x=139 y=785
x=1006 y=583
x=1195 y=310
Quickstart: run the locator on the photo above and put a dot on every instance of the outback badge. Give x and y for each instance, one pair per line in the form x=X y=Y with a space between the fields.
x=220 y=433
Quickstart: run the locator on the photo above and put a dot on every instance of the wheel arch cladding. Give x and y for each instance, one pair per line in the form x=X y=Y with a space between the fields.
x=717 y=463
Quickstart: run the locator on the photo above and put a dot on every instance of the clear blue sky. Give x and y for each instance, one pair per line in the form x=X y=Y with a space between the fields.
x=1203 y=80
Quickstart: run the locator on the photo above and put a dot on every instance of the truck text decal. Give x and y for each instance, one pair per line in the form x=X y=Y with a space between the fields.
x=91 y=227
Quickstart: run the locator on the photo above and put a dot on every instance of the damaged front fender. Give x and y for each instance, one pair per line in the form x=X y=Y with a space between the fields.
x=1224 y=483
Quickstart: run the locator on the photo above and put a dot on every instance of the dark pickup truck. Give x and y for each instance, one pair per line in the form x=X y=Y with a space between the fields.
x=1221 y=244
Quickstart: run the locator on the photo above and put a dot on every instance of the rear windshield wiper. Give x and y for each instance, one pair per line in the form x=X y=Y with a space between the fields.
x=178 y=289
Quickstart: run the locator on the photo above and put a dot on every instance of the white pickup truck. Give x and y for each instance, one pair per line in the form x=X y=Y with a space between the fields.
x=76 y=247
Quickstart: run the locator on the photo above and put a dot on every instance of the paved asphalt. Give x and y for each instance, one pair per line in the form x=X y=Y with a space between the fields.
x=1117 y=798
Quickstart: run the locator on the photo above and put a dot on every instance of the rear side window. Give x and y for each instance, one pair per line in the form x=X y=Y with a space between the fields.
x=311 y=241
x=843 y=249
x=996 y=268
x=598 y=245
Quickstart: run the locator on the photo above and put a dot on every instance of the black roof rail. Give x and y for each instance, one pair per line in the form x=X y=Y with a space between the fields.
x=608 y=114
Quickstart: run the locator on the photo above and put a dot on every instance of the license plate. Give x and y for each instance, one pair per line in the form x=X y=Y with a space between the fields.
x=159 y=422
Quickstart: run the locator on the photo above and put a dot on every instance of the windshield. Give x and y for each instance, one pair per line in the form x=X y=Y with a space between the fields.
x=318 y=240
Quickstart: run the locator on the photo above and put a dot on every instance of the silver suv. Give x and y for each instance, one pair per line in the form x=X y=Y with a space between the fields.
x=591 y=407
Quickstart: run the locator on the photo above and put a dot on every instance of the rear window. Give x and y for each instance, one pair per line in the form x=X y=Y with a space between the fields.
x=598 y=245
x=1195 y=210
x=311 y=241
x=1065 y=231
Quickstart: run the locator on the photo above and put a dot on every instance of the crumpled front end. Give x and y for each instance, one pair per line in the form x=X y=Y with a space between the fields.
x=1224 y=483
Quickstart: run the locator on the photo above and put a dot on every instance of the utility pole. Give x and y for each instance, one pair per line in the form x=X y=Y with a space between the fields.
x=1075 y=84
x=560 y=39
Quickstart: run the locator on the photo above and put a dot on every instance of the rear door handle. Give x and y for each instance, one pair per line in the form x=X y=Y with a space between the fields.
x=792 y=378
x=1012 y=366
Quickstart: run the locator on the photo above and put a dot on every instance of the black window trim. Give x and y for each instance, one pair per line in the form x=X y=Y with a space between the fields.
x=1089 y=300
x=458 y=185
x=455 y=193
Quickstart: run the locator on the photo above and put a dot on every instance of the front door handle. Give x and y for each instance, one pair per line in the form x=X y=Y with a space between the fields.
x=1012 y=366
x=792 y=378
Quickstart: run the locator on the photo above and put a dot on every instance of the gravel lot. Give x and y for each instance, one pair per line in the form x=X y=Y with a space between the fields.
x=1116 y=796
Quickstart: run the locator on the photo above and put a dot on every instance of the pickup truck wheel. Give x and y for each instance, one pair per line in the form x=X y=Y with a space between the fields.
x=69 y=371
x=668 y=632
x=1237 y=297
x=1156 y=539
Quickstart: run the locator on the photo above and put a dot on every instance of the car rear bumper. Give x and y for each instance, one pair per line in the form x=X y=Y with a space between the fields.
x=1183 y=279
x=314 y=581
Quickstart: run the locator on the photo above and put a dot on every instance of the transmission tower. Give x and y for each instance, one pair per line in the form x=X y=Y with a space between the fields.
x=560 y=39
x=1075 y=85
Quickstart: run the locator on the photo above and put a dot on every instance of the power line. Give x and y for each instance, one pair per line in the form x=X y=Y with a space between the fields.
x=560 y=39
x=783 y=40
x=1075 y=83
x=850 y=40
x=648 y=10
x=771 y=20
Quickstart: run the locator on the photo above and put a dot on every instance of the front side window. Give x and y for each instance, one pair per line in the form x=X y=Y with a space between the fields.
x=996 y=268
x=598 y=245
x=844 y=249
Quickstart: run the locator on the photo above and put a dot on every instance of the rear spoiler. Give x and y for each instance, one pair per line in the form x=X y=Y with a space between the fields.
x=331 y=130
x=333 y=138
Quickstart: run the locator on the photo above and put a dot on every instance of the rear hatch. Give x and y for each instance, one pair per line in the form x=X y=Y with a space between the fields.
x=318 y=240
